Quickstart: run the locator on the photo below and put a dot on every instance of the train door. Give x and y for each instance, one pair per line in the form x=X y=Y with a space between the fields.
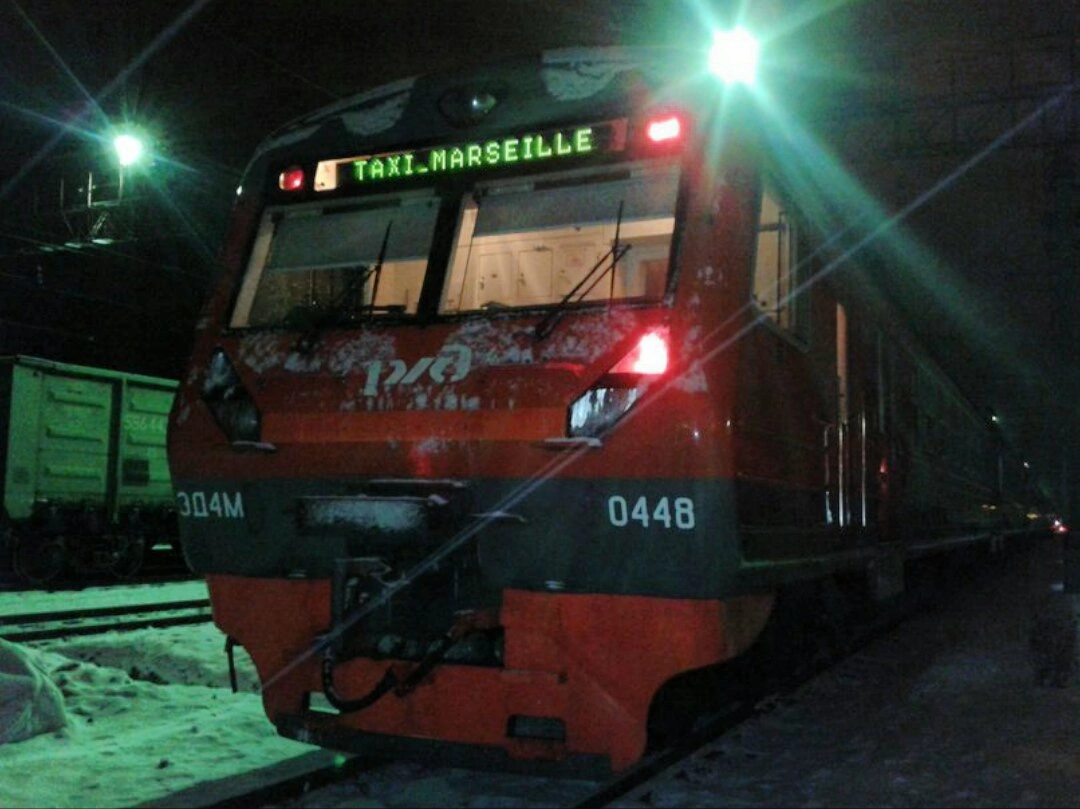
x=840 y=447
x=849 y=454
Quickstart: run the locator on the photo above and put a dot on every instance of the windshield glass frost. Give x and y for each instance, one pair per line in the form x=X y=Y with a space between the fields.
x=332 y=264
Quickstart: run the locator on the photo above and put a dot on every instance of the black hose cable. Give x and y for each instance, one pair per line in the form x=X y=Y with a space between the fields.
x=389 y=681
x=381 y=689
x=431 y=659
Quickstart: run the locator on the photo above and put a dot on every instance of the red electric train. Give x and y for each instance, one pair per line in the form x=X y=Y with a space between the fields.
x=525 y=390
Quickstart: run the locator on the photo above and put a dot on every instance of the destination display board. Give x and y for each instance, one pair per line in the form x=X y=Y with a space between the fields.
x=537 y=146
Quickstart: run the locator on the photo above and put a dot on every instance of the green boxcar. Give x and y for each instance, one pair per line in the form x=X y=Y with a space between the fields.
x=83 y=464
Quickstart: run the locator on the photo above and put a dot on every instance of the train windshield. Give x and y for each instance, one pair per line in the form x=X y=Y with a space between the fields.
x=333 y=264
x=556 y=239
x=600 y=234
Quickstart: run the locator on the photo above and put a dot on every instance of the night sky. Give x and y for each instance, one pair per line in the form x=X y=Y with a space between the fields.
x=959 y=119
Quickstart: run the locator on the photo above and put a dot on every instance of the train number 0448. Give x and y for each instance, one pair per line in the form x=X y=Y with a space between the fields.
x=669 y=512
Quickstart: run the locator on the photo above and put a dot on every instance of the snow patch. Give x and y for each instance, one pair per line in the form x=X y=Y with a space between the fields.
x=286 y=138
x=366 y=113
x=692 y=379
x=302 y=363
x=446 y=400
x=367 y=98
x=402 y=516
x=710 y=276
x=430 y=446
x=957 y=675
x=30 y=703
x=492 y=344
x=376 y=117
x=260 y=352
x=357 y=353
x=571 y=74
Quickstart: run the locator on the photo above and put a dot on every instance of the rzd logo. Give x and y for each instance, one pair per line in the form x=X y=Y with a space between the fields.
x=451 y=365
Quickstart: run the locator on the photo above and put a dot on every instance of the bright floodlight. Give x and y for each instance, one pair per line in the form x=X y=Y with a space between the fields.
x=128 y=149
x=734 y=56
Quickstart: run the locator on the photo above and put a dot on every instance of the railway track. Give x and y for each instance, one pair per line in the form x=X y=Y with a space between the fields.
x=323 y=778
x=55 y=624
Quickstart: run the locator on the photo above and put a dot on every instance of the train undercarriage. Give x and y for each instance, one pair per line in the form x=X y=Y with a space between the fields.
x=78 y=541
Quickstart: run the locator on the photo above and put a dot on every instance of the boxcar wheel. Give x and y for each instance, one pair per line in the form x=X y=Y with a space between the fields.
x=128 y=557
x=38 y=560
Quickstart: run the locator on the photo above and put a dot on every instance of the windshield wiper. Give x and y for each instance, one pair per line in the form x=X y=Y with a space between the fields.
x=376 y=271
x=346 y=303
x=615 y=253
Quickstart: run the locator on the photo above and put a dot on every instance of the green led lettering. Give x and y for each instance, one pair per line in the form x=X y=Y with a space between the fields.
x=542 y=149
x=491 y=154
x=583 y=141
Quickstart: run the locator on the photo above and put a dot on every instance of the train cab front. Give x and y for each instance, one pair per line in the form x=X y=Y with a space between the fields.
x=443 y=455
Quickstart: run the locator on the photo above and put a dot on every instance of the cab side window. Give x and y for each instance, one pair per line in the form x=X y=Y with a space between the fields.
x=777 y=269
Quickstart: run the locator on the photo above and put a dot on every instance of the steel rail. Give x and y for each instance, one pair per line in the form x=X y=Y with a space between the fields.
x=56 y=624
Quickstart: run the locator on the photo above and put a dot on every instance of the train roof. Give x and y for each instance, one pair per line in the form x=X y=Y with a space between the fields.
x=516 y=92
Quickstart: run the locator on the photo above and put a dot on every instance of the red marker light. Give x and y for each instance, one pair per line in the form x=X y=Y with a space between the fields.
x=649 y=357
x=661 y=130
x=292 y=179
x=652 y=355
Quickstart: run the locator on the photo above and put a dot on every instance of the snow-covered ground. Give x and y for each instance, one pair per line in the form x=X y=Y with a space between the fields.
x=943 y=713
x=144 y=715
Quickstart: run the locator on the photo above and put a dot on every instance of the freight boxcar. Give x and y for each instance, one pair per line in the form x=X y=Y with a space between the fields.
x=83 y=469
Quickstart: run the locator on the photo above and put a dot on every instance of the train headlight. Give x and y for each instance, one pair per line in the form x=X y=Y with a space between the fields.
x=616 y=392
x=229 y=401
x=599 y=408
x=734 y=56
